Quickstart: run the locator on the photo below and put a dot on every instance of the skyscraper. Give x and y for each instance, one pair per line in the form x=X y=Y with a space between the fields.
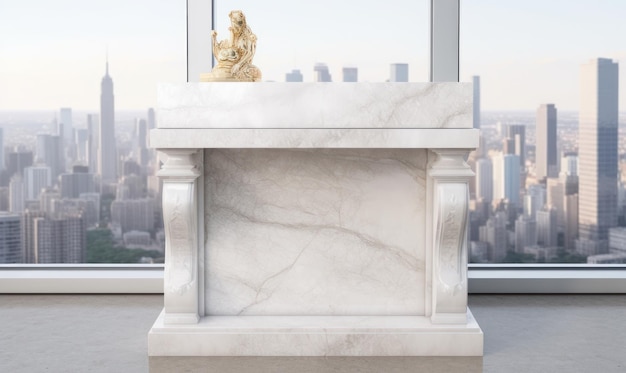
x=494 y=233
x=93 y=141
x=399 y=72
x=597 y=155
x=151 y=119
x=484 y=180
x=546 y=154
x=81 y=138
x=76 y=183
x=36 y=178
x=141 y=142
x=108 y=150
x=525 y=233
x=1 y=149
x=133 y=214
x=293 y=76
x=321 y=73
x=10 y=238
x=16 y=194
x=18 y=160
x=60 y=239
x=534 y=200
x=517 y=134
x=4 y=198
x=569 y=164
x=570 y=231
x=506 y=178
x=47 y=199
x=28 y=235
x=546 y=227
x=68 y=127
x=350 y=74
x=92 y=212
x=49 y=151
x=476 y=97
x=559 y=188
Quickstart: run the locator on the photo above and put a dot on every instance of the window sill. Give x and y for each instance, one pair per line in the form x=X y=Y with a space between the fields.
x=148 y=279
x=546 y=279
x=82 y=279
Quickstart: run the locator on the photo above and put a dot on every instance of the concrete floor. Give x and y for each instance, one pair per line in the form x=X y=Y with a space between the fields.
x=107 y=333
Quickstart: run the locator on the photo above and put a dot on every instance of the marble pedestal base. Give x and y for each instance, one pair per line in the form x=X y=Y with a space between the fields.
x=316 y=336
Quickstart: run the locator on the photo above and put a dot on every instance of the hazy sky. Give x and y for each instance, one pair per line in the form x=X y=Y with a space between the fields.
x=368 y=34
x=52 y=52
x=527 y=52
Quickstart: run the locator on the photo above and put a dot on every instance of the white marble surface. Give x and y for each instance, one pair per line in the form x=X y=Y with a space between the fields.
x=315 y=232
x=315 y=105
x=319 y=219
x=308 y=138
x=316 y=336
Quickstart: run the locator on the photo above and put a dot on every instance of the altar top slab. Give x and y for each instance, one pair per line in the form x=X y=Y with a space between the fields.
x=315 y=105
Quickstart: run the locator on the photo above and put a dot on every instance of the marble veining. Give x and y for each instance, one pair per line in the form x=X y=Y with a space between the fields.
x=315 y=105
x=314 y=232
x=182 y=272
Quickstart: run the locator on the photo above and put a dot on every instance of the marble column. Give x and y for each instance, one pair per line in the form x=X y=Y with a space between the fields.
x=449 y=197
x=182 y=198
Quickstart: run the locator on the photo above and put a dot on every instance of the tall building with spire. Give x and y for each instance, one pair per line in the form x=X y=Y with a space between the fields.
x=107 y=152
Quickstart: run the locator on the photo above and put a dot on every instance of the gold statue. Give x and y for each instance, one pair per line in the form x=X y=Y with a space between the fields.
x=234 y=56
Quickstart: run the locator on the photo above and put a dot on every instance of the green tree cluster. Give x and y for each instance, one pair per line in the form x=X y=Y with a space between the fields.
x=101 y=248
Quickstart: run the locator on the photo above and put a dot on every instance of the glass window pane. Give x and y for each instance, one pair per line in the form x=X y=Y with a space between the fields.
x=368 y=35
x=77 y=84
x=550 y=186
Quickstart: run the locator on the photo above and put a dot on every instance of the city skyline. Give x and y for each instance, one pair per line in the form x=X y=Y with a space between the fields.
x=556 y=198
x=532 y=65
x=521 y=205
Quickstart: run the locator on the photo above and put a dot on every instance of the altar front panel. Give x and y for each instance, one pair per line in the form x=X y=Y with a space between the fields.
x=315 y=232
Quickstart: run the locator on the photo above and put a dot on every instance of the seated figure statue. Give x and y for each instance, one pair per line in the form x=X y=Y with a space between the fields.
x=234 y=56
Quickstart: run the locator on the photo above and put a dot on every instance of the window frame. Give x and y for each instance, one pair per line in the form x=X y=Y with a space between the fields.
x=483 y=278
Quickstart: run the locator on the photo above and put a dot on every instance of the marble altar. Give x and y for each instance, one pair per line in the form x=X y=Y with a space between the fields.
x=315 y=219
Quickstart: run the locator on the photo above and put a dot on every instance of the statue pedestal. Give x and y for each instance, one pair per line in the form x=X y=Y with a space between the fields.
x=315 y=220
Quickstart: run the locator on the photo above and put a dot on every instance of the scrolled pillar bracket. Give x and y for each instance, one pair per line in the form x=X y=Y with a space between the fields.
x=180 y=175
x=450 y=195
